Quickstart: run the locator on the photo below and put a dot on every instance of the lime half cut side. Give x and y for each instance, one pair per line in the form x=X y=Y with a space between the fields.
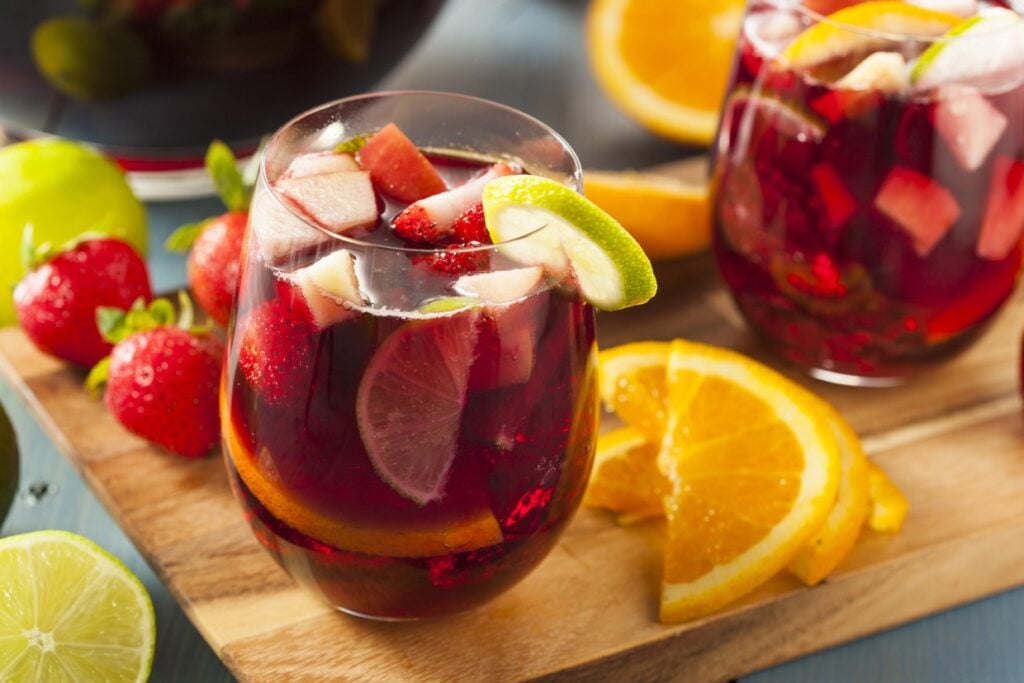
x=560 y=229
x=71 y=611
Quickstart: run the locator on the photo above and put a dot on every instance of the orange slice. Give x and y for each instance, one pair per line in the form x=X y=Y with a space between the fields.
x=667 y=216
x=888 y=504
x=754 y=467
x=666 y=64
x=476 y=531
x=626 y=477
x=834 y=540
x=632 y=383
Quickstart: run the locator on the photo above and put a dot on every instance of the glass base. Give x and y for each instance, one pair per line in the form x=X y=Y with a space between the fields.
x=371 y=617
x=855 y=380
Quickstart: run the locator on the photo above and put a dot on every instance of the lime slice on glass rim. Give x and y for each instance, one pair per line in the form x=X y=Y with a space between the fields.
x=561 y=229
x=71 y=611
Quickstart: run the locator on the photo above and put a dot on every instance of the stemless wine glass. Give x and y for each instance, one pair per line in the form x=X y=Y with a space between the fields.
x=868 y=201
x=408 y=430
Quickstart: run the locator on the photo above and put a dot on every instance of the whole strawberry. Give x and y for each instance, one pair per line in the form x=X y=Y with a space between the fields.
x=276 y=351
x=162 y=380
x=216 y=243
x=56 y=302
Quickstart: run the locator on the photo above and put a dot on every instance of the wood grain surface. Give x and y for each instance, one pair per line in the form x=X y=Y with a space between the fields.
x=952 y=439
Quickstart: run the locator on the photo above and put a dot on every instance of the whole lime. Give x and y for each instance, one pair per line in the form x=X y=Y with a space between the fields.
x=8 y=465
x=62 y=189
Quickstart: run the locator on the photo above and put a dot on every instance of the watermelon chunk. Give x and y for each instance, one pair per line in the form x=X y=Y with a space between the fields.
x=969 y=124
x=1003 y=224
x=397 y=167
x=922 y=207
x=839 y=203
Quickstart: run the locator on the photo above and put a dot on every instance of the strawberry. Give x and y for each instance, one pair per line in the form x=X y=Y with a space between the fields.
x=470 y=226
x=276 y=348
x=216 y=244
x=57 y=300
x=162 y=380
x=452 y=261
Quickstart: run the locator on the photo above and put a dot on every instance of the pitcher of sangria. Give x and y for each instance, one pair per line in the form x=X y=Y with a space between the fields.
x=869 y=179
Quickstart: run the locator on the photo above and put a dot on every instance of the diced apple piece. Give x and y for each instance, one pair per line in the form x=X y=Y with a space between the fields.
x=431 y=219
x=317 y=163
x=501 y=286
x=278 y=231
x=919 y=205
x=339 y=201
x=398 y=167
x=839 y=203
x=1003 y=225
x=329 y=286
x=880 y=71
x=508 y=344
x=969 y=124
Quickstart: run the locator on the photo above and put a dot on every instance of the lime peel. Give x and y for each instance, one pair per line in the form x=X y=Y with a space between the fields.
x=558 y=229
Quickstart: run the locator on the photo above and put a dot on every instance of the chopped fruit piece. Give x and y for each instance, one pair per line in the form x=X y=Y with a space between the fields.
x=880 y=71
x=668 y=217
x=432 y=220
x=476 y=530
x=888 y=504
x=830 y=40
x=410 y=400
x=611 y=269
x=501 y=286
x=279 y=232
x=339 y=201
x=330 y=286
x=834 y=540
x=318 y=163
x=507 y=344
x=454 y=260
x=918 y=204
x=839 y=203
x=754 y=468
x=626 y=478
x=981 y=52
x=632 y=384
x=276 y=350
x=1003 y=224
x=969 y=124
x=398 y=167
x=470 y=226
x=836 y=105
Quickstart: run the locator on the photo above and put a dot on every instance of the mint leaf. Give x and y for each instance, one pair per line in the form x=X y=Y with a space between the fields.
x=184 y=237
x=223 y=169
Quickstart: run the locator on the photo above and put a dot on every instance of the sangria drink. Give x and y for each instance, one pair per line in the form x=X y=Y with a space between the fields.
x=409 y=413
x=869 y=179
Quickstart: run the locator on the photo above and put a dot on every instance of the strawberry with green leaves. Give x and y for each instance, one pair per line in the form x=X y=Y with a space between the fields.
x=162 y=378
x=56 y=301
x=216 y=243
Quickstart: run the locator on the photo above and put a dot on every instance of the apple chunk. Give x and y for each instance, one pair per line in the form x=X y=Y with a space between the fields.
x=501 y=286
x=278 y=231
x=1003 y=225
x=923 y=208
x=398 y=167
x=339 y=201
x=318 y=163
x=969 y=124
x=330 y=287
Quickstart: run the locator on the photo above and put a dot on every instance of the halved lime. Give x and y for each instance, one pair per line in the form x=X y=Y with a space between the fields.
x=70 y=611
x=568 y=230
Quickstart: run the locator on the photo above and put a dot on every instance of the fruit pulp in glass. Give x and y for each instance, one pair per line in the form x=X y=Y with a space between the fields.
x=340 y=522
x=862 y=231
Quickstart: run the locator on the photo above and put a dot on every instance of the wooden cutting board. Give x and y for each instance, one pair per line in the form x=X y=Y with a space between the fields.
x=952 y=439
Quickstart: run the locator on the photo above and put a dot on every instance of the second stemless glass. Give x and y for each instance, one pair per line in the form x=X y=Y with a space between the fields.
x=865 y=227
x=415 y=455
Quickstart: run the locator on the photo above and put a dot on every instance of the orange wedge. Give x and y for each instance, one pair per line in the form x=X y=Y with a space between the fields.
x=888 y=504
x=754 y=468
x=476 y=531
x=632 y=384
x=626 y=477
x=666 y=64
x=667 y=216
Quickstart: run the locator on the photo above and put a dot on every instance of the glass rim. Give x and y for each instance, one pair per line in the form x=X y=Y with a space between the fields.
x=888 y=35
x=576 y=175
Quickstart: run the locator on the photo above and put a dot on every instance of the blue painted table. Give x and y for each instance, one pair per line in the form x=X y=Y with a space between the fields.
x=529 y=54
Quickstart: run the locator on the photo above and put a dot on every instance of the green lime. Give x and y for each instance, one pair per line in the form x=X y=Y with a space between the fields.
x=62 y=189
x=447 y=304
x=71 y=611
x=8 y=465
x=610 y=267
x=89 y=60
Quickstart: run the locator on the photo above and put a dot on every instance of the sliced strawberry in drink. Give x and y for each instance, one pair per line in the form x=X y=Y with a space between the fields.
x=276 y=350
x=1003 y=224
x=969 y=124
x=839 y=203
x=470 y=226
x=317 y=163
x=398 y=167
x=923 y=208
x=432 y=220
x=453 y=260
x=410 y=401
x=340 y=201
